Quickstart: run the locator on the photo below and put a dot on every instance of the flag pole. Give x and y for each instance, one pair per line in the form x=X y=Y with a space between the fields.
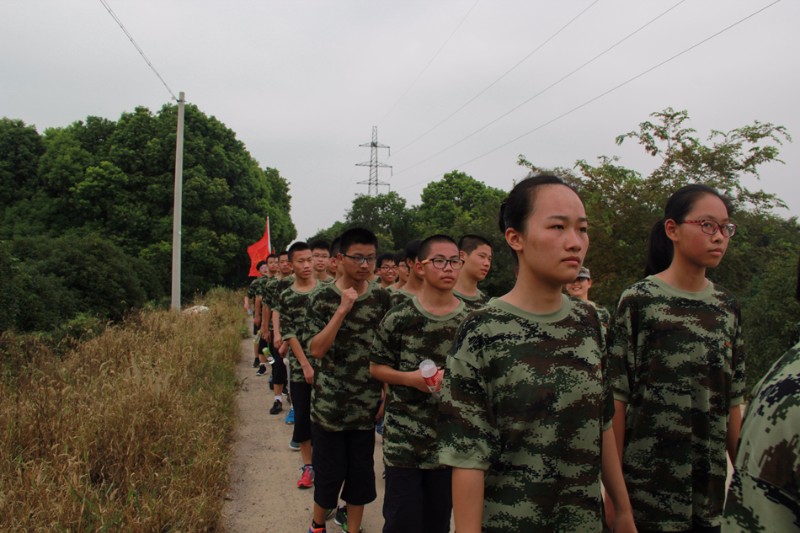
x=176 y=211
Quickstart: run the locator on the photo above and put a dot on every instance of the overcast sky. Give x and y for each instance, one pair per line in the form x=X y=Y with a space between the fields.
x=302 y=83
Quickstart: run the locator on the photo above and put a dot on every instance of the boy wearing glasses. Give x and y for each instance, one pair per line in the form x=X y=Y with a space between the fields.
x=339 y=328
x=387 y=271
x=476 y=252
x=418 y=488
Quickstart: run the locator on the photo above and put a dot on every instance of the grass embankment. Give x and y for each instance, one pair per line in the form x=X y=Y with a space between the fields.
x=128 y=432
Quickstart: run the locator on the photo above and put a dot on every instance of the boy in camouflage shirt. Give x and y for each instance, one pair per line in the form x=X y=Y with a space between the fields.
x=476 y=252
x=340 y=326
x=661 y=341
x=418 y=495
x=290 y=309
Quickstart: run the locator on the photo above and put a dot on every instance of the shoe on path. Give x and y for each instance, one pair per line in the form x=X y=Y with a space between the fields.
x=312 y=529
x=294 y=446
x=262 y=370
x=277 y=407
x=290 y=416
x=306 y=480
x=256 y=362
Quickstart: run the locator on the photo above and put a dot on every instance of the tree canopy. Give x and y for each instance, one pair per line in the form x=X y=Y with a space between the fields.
x=111 y=183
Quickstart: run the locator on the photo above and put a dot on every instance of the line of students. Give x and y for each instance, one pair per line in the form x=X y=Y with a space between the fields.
x=534 y=410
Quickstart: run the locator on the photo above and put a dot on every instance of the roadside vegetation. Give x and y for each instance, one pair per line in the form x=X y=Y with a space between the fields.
x=128 y=430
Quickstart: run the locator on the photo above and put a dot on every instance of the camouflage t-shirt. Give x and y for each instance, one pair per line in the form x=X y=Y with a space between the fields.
x=473 y=302
x=407 y=335
x=345 y=396
x=676 y=359
x=524 y=400
x=291 y=307
x=399 y=296
x=764 y=494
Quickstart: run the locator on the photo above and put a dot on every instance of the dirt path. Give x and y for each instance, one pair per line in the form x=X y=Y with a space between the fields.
x=264 y=497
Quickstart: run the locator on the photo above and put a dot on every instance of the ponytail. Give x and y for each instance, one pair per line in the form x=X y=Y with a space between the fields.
x=659 y=249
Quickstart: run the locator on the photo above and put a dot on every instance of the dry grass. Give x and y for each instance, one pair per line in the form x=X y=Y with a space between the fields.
x=130 y=431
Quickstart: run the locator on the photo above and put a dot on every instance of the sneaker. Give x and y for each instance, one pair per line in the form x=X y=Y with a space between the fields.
x=262 y=369
x=312 y=529
x=341 y=516
x=277 y=407
x=331 y=514
x=344 y=528
x=290 y=416
x=256 y=362
x=294 y=446
x=306 y=480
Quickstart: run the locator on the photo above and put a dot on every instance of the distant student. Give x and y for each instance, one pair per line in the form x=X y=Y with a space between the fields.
x=402 y=269
x=387 y=270
x=580 y=289
x=418 y=493
x=476 y=252
x=320 y=253
x=272 y=290
x=526 y=415
x=251 y=296
x=290 y=308
x=676 y=363
x=261 y=315
x=341 y=320
x=764 y=494
x=413 y=283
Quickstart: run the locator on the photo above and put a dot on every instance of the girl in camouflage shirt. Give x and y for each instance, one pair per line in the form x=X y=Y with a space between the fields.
x=676 y=364
x=526 y=417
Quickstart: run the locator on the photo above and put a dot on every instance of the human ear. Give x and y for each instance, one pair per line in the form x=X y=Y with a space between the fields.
x=514 y=239
x=671 y=229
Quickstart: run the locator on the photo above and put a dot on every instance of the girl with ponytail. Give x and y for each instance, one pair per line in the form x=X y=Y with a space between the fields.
x=525 y=413
x=676 y=364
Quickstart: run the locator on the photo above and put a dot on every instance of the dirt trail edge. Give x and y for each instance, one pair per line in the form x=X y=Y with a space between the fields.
x=263 y=496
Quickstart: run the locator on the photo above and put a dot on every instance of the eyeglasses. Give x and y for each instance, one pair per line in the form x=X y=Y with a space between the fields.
x=404 y=266
x=389 y=267
x=320 y=256
x=439 y=263
x=361 y=259
x=709 y=227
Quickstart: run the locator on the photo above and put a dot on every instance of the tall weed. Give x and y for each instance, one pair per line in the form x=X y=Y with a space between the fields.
x=129 y=431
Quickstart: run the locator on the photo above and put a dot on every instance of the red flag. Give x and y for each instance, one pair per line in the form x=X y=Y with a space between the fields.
x=258 y=251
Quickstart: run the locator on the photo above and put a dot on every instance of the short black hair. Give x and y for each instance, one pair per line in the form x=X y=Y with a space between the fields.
x=299 y=246
x=470 y=242
x=388 y=256
x=270 y=256
x=412 y=250
x=335 y=246
x=285 y=252
x=425 y=245
x=356 y=236
x=320 y=244
x=260 y=264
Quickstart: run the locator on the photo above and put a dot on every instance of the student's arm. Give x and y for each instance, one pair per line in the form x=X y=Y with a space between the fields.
x=265 y=317
x=389 y=375
x=322 y=341
x=618 y=426
x=734 y=427
x=297 y=351
x=468 y=499
x=276 y=328
x=614 y=484
x=257 y=312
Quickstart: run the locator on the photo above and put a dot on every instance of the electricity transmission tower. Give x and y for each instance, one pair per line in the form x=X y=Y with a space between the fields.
x=373 y=164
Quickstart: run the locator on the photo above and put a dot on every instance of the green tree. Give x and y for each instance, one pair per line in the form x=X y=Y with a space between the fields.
x=386 y=215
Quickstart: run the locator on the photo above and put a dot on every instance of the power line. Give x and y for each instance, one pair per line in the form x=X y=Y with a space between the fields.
x=506 y=73
x=429 y=62
x=141 y=52
x=566 y=76
x=607 y=92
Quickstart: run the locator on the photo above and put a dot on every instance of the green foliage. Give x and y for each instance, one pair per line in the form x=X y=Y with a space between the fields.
x=114 y=181
x=385 y=215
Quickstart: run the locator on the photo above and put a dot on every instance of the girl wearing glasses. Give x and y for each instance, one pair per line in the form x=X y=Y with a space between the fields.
x=525 y=419
x=676 y=364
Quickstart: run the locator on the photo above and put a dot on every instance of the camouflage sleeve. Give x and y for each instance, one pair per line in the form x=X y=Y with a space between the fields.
x=621 y=350
x=738 y=378
x=468 y=435
x=316 y=319
x=384 y=348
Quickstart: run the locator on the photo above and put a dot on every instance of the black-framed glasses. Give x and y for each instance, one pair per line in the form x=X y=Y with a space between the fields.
x=709 y=227
x=440 y=263
x=362 y=259
x=389 y=267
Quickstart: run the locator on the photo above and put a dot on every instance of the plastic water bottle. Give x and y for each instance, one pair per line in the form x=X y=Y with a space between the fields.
x=429 y=374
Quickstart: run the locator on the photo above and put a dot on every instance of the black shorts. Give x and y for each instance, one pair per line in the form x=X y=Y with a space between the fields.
x=343 y=457
x=417 y=500
x=278 y=365
x=301 y=402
